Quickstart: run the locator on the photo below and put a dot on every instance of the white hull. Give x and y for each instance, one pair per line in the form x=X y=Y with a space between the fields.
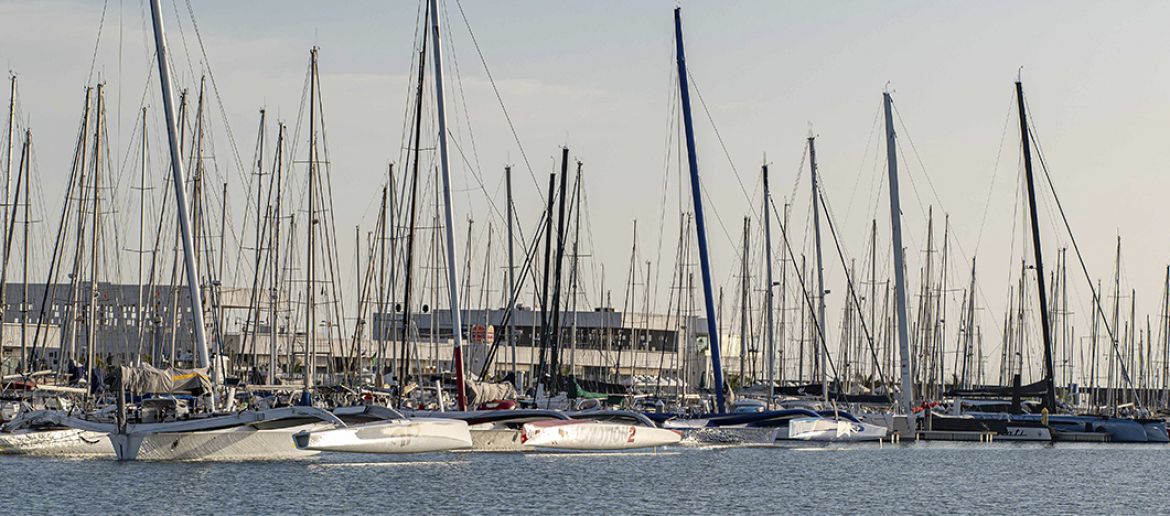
x=243 y=443
x=246 y=435
x=60 y=442
x=595 y=435
x=393 y=436
x=830 y=430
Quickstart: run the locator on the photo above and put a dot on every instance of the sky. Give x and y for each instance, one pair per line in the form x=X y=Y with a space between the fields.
x=599 y=78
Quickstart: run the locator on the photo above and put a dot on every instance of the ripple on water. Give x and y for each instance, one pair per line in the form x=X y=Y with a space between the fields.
x=677 y=480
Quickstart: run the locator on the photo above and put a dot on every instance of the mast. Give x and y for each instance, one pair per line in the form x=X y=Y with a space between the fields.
x=8 y=154
x=410 y=229
x=555 y=355
x=1041 y=293
x=79 y=241
x=94 y=255
x=511 y=279
x=906 y=400
x=769 y=293
x=310 y=368
x=444 y=165
x=700 y=221
x=274 y=295
x=141 y=242
x=744 y=288
x=179 y=179
x=24 y=262
x=254 y=311
x=8 y=186
x=8 y=233
x=575 y=271
x=821 y=327
x=540 y=367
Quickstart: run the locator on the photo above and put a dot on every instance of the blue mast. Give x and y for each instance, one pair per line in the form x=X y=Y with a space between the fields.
x=697 y=194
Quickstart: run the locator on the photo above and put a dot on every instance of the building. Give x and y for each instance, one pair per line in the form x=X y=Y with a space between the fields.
x=599 y=345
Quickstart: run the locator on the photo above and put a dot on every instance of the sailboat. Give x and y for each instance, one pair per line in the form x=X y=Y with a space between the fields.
x=752 y=427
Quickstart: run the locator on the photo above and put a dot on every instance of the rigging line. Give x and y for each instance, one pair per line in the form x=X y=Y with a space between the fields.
x=500 y=99
x=861 y=166
x=671 y=123
x=240 y=175
x=722 y=145
x=818 y=325
x=849 y=278
x=454 y=56
x=994 y=174
x=97 y=42
x=475 y=172
x=1080 y=259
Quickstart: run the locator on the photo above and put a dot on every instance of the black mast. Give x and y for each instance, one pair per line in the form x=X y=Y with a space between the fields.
x=555 y=358
x=544 y=327
x=1041 y=291
x=405 y=355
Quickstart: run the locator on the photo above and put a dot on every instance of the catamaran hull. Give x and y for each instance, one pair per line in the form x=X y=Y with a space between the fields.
x=830 y=431
x=243 y=443
x=395 y=436
x=59 y=442
x=595 y=436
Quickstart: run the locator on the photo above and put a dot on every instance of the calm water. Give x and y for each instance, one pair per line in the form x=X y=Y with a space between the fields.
x=936 y=479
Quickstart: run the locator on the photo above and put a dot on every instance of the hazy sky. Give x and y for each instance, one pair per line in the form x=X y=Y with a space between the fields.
x=599 y=77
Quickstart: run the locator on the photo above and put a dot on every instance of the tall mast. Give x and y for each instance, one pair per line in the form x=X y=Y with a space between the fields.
x=744 y=293
x=8 y=154
x=511 y=279
x=91 y=318
x=179 y=179
x=821 y=327
x=7 y=238
x=1041 y=293
x=906 y=400
x=410 y=229
x=141 y=311
x=380 y=310
x=311 y=284
x=24 y=261
x=254 y=310
x=70 y=332
x=274 y=292
x=575 y=271
x=769 y=293
x=444 y=166
x=555 y=329
x=700 y=221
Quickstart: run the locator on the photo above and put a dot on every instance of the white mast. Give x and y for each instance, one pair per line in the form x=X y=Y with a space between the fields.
x=445 y=170
x=179 y=180
x=822 y=328
x=906 y=400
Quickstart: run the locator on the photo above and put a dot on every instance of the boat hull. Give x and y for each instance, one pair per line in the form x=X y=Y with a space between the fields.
x=244 y=443
x=56 y=442
x=583 y=435
x=393 y=436
x=830 y=431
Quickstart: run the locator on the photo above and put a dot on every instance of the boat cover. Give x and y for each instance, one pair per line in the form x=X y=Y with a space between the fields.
x=479 y=392
x=148 y=379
